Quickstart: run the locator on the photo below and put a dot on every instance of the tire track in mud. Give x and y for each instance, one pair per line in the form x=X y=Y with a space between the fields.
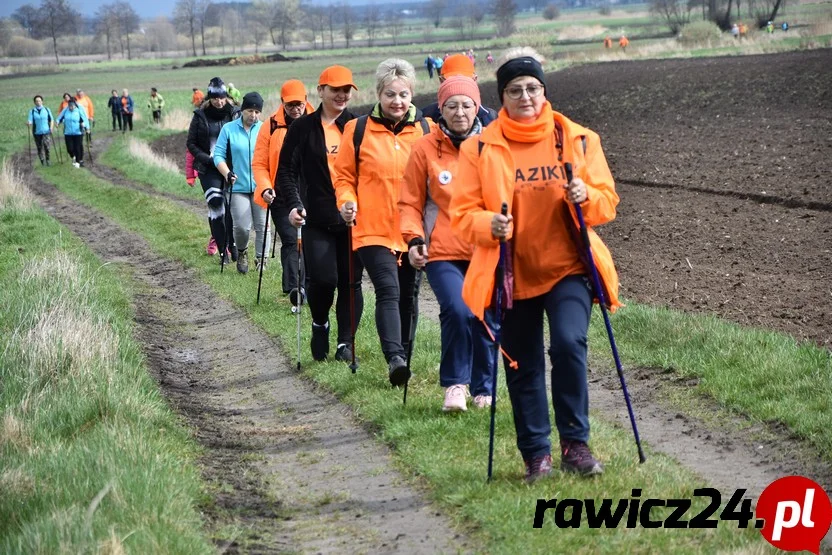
x=727 y=452
x=289 y=469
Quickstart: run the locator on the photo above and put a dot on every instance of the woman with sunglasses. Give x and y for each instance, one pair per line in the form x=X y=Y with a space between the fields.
x=520 y=160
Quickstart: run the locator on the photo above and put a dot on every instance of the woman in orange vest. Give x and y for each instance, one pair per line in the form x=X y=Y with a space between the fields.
x=372 y=181
x=293 y=104
x=429 y=181
x=519 y=160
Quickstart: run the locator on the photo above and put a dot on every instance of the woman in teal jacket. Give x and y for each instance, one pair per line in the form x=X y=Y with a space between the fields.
x=233 y=154
x=75 y=123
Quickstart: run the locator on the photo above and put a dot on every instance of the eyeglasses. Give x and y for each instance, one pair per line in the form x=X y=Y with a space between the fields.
x=294 y=105
x=516 y=93
x=453 y=106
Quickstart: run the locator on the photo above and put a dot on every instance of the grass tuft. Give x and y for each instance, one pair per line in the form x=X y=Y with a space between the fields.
x=142 y=151
x=13 y=190
x=176 y=120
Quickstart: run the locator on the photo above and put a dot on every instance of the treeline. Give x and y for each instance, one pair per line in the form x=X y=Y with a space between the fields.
x=56 y=27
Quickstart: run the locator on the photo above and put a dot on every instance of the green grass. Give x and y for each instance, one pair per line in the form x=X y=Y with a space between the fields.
x=447 y=451
x=81 y=417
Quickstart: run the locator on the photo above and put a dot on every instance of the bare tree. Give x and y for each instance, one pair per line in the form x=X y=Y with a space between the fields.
x=331 y=20
x=201 y=10
x=107 y=25
x=27 y=15
x=372 y=21
x=10 y=29
x=435 y=10
x=474 y=15
x=394 y=23
x=676 y=13
x=347 y=22
x=315 y=17
x=504 y=13
x=128 y=21
x=258 y=30
x=56 y=18
x=160 y=34
x=185 y=15
x=285 y=16
x=229 y=28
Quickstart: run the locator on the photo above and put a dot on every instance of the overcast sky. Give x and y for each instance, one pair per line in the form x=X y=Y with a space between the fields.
x=146 y=8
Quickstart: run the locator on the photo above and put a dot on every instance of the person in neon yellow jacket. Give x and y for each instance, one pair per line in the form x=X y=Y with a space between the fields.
x=155 y=102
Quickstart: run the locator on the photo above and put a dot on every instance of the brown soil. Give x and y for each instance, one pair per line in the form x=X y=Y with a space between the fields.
x=722 y=165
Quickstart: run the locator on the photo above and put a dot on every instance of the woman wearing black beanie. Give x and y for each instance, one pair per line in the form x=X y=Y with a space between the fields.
x=205 y=127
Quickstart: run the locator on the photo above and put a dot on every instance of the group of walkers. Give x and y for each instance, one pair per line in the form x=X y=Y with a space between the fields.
x=77 y=115
x=454 y=196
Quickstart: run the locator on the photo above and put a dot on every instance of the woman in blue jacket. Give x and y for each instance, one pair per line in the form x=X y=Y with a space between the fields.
x=75 y=123
x=233 y=155
x=41 y=121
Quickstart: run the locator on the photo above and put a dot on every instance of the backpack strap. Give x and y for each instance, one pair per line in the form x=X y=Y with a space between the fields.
x=425 y=126
x=273 y=125
x=358 y=138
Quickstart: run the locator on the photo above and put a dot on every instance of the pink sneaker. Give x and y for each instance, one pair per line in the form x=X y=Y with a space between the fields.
x=455 y=399
x=211 y=249
x=482 y=401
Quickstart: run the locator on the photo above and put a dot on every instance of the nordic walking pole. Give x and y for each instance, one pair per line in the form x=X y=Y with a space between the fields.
x=227 y=202
x=351 y=270
x=414 y=317
x=29 y=140
x=263 y=252
x=274 y=240
x=498 y=284
x=300 y=290
x=56 y=147
x=89 y=148
x=596 y=283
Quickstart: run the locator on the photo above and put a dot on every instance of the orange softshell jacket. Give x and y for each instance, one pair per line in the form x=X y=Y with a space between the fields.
x=429 y=181
x=267 y=152
x=376 y=183
x=197 y=98
x=487 y=180
x=86 y=102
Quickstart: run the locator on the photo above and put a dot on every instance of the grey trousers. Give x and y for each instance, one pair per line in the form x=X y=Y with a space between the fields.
x=245 y=213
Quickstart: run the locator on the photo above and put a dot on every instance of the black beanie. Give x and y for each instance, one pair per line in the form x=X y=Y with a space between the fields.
x=216 y=89
x=252 y=100
x=518 y=67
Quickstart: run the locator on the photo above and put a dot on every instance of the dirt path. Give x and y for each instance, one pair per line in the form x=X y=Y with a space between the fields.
x=289 y=467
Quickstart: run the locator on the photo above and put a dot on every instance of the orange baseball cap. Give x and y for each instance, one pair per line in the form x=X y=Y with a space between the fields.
x=293 y=90
x=336 y=76
x=458 y=64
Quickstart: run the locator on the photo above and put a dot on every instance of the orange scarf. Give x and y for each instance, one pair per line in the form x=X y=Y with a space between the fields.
x=532 y=132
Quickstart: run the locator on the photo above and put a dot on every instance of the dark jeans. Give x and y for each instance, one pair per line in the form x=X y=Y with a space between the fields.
x=116 y=119
x=157 y=116
x=467 y=349
x=567 y=307
x=75 y=147
x=128 y=121
x=327 y=257
x=44 y=143
x=394 y=297
x=288 y=246
x=219 y=218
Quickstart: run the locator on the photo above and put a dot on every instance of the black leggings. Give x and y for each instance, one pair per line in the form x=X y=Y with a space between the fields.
x=326 y=256
x=128 y=121
x=75 y=146
x=288 y=245
x=394 y=297
x=116 y=119
x=218 y=217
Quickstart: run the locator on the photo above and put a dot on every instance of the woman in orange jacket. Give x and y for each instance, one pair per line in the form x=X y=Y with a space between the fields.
x=293 y=104
x=372 y=180
x=519 y=160
x=430 y=179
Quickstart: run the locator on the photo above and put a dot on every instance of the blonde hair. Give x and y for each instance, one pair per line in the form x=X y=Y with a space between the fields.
x=395 y=68
x=520 y=52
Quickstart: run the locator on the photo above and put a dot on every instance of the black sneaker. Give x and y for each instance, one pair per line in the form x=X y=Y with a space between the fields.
x=538 y=467
x=234 y=253
x=397 y=371
x=296 y=299
x=320 y=341
x=343 y=353
x=575 y=456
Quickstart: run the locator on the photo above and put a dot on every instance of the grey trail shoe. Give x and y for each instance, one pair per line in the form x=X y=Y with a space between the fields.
x=242 y=261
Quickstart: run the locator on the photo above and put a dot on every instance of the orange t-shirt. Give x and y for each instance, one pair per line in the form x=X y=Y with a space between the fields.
x=332 y=140
x=544 y=252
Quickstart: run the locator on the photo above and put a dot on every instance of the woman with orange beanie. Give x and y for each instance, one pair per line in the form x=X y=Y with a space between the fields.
x=519 y=160
x=430 y=179
x=372 y=180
